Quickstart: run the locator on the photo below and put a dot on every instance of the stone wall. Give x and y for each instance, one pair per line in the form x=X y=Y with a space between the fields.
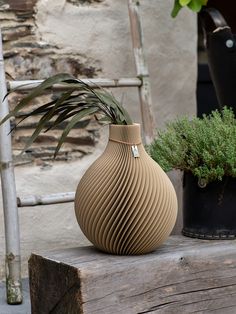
x=91 y=38
x=27 y=57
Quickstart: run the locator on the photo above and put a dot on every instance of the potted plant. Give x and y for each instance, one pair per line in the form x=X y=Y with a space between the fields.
x=125 y=203
x=205 y=149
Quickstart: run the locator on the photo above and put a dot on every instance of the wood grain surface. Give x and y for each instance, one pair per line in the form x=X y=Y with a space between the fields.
x=184 y=275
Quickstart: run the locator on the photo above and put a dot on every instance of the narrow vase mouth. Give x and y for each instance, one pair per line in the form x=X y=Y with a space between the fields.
x=124 y=125
x=130 y=134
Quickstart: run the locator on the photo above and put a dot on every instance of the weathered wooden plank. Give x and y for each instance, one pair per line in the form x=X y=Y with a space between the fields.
x=65 y=296
x=184 y=275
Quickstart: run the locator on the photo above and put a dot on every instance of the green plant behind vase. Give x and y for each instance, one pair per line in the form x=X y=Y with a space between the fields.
x=205 y=147
x=194 y=5
x=78 y=101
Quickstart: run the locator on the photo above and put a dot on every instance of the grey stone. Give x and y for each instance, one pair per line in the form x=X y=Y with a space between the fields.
x=79 y=2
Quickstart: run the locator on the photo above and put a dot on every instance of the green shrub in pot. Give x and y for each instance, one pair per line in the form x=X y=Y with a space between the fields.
x=205 y=147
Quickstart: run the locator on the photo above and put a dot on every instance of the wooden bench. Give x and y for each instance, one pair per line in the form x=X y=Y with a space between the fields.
x=183 y=276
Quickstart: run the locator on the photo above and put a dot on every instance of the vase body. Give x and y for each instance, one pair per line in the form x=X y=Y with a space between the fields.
x=209 y=212
x=125 y=203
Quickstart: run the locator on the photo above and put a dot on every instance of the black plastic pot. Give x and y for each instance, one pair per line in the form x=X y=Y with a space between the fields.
x=209 y=212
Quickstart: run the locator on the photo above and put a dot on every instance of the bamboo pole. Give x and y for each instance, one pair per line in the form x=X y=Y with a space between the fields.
x=142 y=71
x=35 y=200
x=11 y=221
x=103 y=82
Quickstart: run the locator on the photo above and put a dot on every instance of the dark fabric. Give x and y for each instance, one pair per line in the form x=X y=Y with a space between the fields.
x=206 y=96
x=221 y=51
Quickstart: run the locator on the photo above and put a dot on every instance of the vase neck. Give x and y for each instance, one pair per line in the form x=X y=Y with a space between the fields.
x=127 y=134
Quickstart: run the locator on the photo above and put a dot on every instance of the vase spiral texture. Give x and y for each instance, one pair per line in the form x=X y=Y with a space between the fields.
x=125 y=203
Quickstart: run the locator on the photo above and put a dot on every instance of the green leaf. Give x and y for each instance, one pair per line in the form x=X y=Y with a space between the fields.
x=184 y=2
x=16 y=89
x=64 y=115
x=37 y=91
x=45 y=118
x=41 y=109
x=110 y=101
x=80 y=100
x=83 y=113
x=195 y=5
x=177 y=7
x=103 y=120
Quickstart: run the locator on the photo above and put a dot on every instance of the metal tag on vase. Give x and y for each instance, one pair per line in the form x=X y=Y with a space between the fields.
x=135 y=151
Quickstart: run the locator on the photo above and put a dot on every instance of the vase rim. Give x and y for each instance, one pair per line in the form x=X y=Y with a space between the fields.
x=125 y=125
x=128 y=134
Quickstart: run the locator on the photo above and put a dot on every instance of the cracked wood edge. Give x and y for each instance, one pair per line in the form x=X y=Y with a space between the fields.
x=54 y=287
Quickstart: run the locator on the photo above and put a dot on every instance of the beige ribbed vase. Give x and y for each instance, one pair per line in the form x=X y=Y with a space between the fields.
x=125 y=203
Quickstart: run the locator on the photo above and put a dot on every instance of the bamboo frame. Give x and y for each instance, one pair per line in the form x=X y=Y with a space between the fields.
x=148 y=121
x=11 y=221
x=49 y=199
x=103 y=82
